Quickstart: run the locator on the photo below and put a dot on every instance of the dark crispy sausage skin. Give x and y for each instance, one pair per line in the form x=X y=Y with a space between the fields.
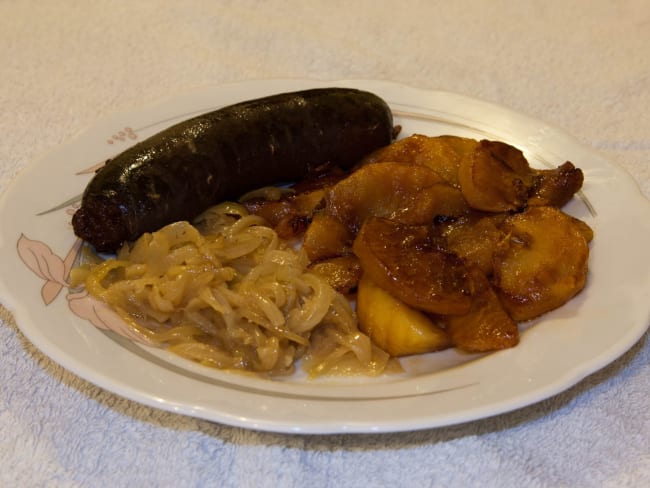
x=179 y=172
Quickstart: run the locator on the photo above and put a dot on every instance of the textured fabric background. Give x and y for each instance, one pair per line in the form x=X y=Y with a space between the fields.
x=580 y=65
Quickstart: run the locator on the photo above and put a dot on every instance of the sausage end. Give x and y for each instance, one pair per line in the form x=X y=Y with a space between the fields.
x=101 y=224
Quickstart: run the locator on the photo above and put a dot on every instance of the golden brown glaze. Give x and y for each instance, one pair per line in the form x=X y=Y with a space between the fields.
x=542 y=264
x=487 y=326
x=404 y=261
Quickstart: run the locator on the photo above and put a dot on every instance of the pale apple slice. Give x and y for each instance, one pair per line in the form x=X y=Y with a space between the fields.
x=394 y=326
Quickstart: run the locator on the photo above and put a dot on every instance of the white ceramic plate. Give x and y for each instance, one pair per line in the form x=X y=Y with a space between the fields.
x=555 y=352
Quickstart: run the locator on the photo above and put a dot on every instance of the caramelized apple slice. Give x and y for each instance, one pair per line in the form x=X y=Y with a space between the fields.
x=582 y=227
x=555 y=187
x=543 y=263
x=487 y=326
x=273 y=211
x=342 y=273
x=475 y=239
x=290 y=214
x=406 y=193
x=393 y=326
x=404 y=260
x=442 y=153
x=495 y=177
x=326 y=237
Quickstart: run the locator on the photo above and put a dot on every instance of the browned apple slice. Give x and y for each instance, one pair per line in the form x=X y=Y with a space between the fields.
x=326 y=237
x=487 y=326
x=342 y=273
x=495 y=177
x=544 y=262
x=405 y=261
x=555 y=187
x=475 y=239
x=441 y=153
x=406 y=193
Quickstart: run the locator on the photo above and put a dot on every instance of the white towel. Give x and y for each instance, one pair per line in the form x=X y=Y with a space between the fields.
x=582 y=66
